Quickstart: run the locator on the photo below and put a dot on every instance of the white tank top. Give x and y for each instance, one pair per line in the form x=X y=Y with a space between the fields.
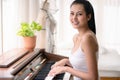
x=77 y=60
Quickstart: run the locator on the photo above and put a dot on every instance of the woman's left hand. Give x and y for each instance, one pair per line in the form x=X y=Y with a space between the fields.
x=56 y=70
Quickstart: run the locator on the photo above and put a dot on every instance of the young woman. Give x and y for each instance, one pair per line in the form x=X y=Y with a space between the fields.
x=82 y=62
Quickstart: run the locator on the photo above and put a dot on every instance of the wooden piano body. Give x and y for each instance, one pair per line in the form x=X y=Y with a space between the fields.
x=20 y=64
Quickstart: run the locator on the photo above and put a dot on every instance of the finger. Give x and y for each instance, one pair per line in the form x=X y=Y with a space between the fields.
x=51 y=74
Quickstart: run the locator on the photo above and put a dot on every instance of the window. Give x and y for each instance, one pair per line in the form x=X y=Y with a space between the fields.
x=12 y=13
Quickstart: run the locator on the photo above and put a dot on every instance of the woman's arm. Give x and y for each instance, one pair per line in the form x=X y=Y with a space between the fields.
x=62 y=62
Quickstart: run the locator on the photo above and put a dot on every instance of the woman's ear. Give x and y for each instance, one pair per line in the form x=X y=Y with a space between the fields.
x=89 y=17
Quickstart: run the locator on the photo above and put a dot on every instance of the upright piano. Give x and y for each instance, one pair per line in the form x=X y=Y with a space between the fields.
x=20 y=64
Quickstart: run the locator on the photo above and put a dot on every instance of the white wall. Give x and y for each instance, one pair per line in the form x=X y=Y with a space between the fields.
x=0 y=28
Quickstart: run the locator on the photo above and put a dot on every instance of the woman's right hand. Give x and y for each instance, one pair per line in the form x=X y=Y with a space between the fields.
x=60 y=63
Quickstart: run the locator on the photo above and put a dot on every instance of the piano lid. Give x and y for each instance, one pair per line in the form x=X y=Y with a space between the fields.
x=10 y=57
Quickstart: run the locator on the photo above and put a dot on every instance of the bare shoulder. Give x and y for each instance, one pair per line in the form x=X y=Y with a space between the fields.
x=89 y=40
x=89 y=37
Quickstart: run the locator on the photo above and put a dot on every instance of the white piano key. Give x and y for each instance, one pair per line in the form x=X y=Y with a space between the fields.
x=66 y=76
x=49 y=77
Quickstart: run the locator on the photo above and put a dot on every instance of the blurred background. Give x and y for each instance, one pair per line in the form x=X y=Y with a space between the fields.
x=107 y=17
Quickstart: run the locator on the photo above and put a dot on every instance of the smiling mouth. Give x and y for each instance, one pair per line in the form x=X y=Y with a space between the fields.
x=75 y=23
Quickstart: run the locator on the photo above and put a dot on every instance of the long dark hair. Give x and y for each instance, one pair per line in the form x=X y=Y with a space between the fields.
x=89 y=10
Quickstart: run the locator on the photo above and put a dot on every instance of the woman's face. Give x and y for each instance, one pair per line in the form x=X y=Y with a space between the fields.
x=78 y=17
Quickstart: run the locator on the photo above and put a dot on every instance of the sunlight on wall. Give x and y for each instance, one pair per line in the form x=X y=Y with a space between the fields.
x=111 y=26
x=10 y=19
x=0 y=28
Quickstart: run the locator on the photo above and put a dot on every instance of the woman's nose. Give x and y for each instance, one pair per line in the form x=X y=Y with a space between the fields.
x=75 y=17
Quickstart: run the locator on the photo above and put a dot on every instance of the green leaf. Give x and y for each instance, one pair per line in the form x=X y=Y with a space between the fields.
x=29 y=29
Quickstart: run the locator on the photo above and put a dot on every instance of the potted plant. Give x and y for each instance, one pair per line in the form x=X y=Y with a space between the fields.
x=27 y=31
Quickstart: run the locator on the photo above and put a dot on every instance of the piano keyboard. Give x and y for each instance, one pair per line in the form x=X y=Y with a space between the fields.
x=29 y=65
x=43 y=73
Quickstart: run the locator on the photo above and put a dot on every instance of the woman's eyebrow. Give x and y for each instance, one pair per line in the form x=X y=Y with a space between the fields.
x=77 y=11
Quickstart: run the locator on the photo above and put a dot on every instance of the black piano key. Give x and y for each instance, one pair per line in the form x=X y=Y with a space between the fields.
x=45 y=70
x=59 y=77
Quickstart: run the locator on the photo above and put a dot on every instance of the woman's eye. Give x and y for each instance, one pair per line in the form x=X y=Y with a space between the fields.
x=79 y=14
x=71 y=13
